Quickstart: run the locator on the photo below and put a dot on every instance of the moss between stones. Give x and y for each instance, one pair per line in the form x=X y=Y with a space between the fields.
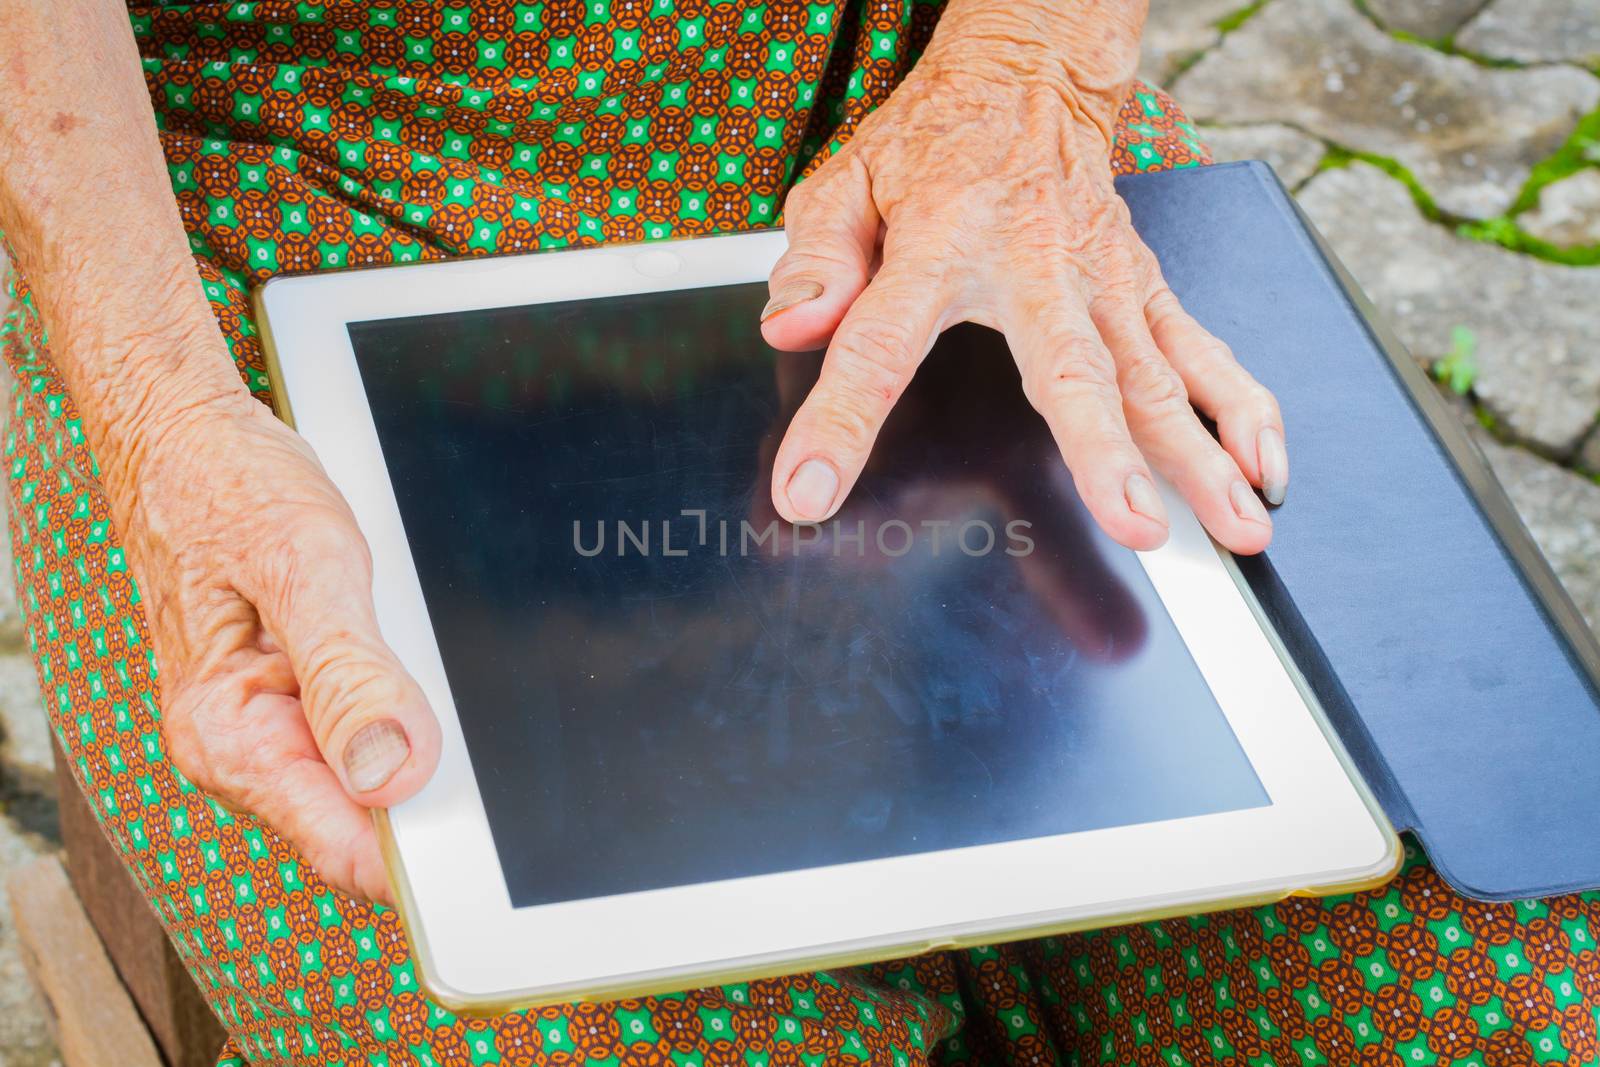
x=1225 y=25
x=1234 y=19
x=1446 y=44
x=1339 y=156
x=1503 y=231
x=1581 y=150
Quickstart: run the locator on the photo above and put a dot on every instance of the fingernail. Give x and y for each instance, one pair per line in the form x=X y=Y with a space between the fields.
x=812 y=488
x=1273 y=460
x=374 y=754
x=790 y=295
x=1143 y=499
x=1246 y=504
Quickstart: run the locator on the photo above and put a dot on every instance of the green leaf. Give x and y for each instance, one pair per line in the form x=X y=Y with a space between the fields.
x=1459 y=369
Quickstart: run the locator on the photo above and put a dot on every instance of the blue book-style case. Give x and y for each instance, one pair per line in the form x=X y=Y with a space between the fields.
x=1456 y=670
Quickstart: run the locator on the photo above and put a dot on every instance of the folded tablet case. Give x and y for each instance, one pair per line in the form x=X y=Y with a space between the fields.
x=1458 y=673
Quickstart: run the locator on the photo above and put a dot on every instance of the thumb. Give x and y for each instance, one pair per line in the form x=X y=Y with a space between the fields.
x=832 y=229
x=368 y=716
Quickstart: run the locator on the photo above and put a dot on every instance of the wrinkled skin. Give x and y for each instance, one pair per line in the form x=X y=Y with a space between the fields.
x=256 y=581
x=262 y=617
x=971 y=198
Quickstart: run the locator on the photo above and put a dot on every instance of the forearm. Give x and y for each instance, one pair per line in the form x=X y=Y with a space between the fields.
x=1087 y=48
x=88 y=209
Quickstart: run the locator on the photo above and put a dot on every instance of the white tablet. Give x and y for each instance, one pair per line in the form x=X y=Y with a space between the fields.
x=685 y=743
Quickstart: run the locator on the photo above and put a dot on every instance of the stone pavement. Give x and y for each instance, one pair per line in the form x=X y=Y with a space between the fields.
x=1450 y=151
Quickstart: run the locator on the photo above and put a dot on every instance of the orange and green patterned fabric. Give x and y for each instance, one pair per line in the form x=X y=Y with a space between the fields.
x=329 y=133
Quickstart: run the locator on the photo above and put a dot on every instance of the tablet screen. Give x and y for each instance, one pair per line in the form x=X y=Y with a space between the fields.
x=661 y=683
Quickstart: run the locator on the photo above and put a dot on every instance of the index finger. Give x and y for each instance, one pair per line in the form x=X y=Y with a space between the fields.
x=875 y=351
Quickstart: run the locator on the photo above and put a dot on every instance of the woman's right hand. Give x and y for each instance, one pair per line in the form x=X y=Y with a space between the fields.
x=279 y=696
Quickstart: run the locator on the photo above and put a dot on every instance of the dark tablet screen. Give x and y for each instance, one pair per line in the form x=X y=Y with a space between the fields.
x=661 y=683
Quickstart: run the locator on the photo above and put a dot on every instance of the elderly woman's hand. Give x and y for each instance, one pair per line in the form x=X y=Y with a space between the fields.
x=982 y=192
x=279 y=695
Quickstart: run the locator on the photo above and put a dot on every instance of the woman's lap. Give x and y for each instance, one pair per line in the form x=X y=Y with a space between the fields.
x=1409 y=973
x=294 y=147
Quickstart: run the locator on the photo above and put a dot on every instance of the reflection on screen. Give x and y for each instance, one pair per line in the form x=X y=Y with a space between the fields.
x=661 y=683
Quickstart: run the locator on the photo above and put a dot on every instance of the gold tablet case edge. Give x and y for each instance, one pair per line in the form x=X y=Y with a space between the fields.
x=642 y=986
x=269 y=354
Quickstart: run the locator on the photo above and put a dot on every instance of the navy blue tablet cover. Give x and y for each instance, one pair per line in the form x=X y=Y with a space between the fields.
x=1456 y=670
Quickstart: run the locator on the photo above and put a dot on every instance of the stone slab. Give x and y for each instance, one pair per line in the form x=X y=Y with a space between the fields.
x=1176 y=30
x=1588 y=459
x=1430 y=19
x=1294 y=155
x=25 y=1037
x=1469 y=133
x=1562 y=511
x=1568 y=213
x=1537 y=366
x=1536 y=31
x=95 y=1021
x=24 y=730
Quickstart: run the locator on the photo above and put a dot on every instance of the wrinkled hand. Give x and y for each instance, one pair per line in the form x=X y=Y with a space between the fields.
x=279 y=696
x=971 y=197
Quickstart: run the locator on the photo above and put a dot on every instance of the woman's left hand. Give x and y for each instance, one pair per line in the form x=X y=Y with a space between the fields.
x=982 y=192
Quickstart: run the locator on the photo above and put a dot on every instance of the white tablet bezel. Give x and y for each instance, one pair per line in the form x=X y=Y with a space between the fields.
x=1322 y=831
